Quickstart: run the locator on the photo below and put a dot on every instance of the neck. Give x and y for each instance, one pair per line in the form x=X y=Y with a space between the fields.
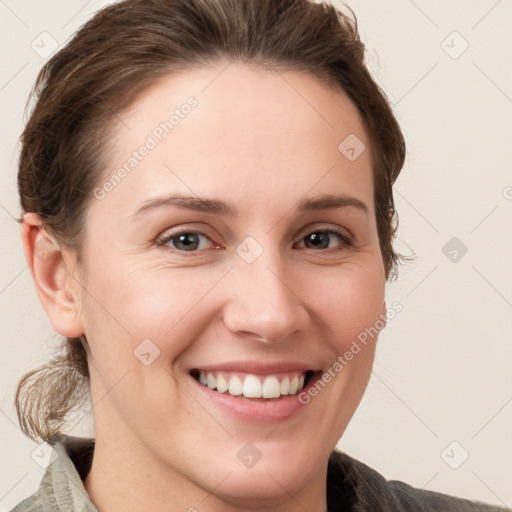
x=124 y=478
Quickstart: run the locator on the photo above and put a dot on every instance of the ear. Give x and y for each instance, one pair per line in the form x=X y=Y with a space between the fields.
x=56 y=288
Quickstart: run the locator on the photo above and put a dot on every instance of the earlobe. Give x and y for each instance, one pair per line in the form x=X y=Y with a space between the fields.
x=56 y=289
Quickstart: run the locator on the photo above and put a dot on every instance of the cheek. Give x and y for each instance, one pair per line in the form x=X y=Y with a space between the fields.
x=131 y=304
x=350 y=303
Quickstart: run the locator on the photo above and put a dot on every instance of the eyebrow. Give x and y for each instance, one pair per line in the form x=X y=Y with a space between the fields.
x=218 y=207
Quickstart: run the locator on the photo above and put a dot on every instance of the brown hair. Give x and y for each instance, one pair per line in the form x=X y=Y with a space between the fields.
x=122 y=50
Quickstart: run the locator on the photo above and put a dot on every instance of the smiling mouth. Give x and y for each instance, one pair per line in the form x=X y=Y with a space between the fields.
x=253 y=386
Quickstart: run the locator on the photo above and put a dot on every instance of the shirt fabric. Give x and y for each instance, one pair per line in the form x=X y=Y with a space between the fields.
x=351 y=487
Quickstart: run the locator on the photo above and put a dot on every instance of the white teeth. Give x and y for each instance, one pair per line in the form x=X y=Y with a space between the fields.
x=294 y=384
x=211 y=381
x=285 y=386
x=222 y=384
x=271 y=388
x=252 y=386
x=235 y=386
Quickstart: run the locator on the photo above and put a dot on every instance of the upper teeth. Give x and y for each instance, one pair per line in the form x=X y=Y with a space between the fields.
x=252 y=386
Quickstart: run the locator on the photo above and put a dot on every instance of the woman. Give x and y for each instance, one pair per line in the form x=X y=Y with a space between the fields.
x=208 y=218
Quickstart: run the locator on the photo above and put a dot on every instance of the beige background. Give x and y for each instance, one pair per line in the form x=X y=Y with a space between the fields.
x=442 y=383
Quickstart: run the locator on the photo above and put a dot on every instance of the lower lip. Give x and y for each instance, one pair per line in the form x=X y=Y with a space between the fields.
x=255 y=410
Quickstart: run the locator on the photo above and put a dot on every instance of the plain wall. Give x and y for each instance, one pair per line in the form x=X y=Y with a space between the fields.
x=443 y=367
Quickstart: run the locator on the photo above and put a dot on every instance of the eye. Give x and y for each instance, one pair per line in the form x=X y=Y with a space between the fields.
x=193 y=241
x=321 y=239
x=186 y=241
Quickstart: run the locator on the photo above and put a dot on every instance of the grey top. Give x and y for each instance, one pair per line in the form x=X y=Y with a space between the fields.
x=351 y=487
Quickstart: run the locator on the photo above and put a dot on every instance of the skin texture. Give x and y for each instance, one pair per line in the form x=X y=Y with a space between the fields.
x=262 y=141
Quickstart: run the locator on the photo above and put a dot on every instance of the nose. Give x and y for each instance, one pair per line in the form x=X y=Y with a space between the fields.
x=263 y=301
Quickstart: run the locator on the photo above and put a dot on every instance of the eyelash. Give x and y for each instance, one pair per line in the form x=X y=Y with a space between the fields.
x=347 y=241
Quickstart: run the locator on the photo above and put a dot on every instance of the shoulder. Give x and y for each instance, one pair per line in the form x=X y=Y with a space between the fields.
x=61 y=487
x=369 y=491
x=420 y=500
x=30 y=504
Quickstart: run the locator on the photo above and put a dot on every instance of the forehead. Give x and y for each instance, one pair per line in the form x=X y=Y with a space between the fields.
x=258 y=131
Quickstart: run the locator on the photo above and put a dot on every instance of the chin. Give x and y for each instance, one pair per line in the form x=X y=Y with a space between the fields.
x=260 y=487
x=268 y=481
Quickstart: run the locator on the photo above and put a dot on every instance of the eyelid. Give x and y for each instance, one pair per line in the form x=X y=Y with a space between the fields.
x=185 y=227
x=345 y=240
x=346 y=236
x=168 y=234
x=316 y=227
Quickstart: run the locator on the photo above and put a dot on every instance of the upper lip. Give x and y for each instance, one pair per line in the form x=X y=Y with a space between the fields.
x=257 y=368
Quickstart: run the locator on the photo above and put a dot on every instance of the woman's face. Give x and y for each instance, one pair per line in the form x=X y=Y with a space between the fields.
x=241 y=241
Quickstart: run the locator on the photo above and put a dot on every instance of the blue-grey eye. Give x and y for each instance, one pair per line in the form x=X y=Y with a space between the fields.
x=188 y=241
